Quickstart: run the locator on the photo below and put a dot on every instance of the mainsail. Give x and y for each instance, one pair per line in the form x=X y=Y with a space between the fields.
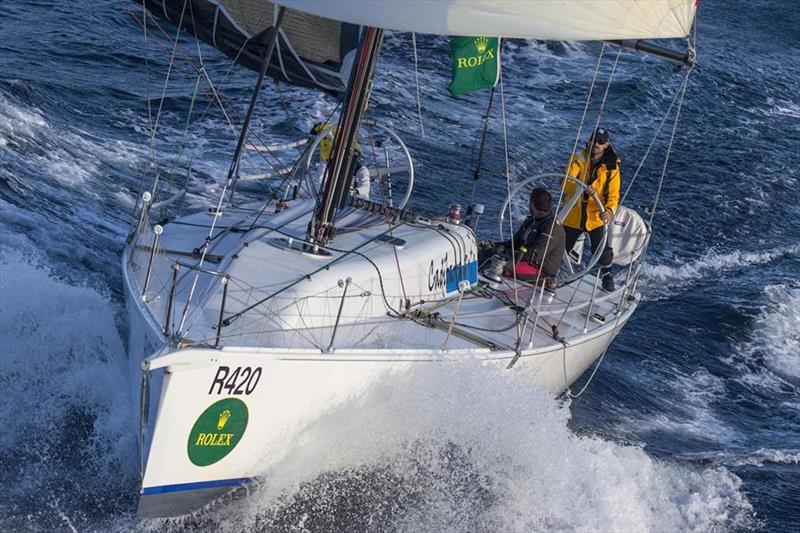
x=311 y=50
x=532 y=19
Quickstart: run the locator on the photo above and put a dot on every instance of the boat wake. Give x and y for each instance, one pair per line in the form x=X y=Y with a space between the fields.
x=470 y=448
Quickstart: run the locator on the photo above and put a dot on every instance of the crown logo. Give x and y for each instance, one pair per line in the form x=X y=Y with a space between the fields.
x=223 y=419
x=481 y=43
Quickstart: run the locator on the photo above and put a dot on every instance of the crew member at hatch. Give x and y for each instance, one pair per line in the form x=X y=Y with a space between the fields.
x=601 y=174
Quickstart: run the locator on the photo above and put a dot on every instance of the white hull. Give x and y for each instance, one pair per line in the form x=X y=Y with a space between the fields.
x=294 y=388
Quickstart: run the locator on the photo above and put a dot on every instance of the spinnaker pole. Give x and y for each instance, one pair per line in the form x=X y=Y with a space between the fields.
x=232 y=172
x=646 y=47
x=338 y=172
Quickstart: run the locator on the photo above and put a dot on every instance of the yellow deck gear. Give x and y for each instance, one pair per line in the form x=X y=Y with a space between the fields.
x=326 y=144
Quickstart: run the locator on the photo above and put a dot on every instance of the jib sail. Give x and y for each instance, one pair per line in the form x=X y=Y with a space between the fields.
x=311 y=50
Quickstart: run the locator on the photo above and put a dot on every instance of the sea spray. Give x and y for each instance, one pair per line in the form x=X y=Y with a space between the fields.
x=69 y=430
x=467 y=447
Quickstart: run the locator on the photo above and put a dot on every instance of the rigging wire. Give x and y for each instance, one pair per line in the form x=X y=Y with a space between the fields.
x=649 y=147
x=681 y=93
x=185 y=137
x=389 y=222
x=508 y=188
x=214 y=97
x=229 y=180
x=164 y=94
x=147 y=72
x=561 y=197
x=416 y=75
x=477 y=173
x=525 y=149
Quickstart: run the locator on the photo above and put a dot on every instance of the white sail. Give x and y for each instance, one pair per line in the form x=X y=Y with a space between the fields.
x=529 y=19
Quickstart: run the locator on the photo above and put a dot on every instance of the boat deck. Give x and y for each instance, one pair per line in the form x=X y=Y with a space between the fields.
x=257 y=285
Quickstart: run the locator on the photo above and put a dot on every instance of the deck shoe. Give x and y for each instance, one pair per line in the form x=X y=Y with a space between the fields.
x=608 y=283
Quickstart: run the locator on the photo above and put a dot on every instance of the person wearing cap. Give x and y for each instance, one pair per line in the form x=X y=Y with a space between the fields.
x=597 y=165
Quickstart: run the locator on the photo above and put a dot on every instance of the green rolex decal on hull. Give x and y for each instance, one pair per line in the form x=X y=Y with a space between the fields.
x=217 y=431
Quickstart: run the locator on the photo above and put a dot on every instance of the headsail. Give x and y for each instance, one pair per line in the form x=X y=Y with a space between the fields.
x=311 y=51
x=530 y=19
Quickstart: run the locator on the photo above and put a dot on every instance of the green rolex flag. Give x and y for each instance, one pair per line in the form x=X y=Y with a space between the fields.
x=476 y=63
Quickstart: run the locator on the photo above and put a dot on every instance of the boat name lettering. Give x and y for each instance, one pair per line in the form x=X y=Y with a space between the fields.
x=240 y=381
x=446 y=278
x=437 y=277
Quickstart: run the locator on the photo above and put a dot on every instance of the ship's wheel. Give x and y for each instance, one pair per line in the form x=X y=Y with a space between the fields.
x=573 y=269
x=385 y=155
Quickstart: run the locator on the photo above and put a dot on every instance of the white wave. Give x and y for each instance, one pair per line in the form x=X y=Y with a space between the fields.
x=763 y=456
x=776 y=333
x=713 y=261
x=760 y=457
x=466 y=448
x=68 y=408
x=783 y=108
x=692 y=415
x=18 y=122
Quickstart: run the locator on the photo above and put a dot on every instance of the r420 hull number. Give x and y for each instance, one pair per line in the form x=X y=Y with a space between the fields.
x=243 y=380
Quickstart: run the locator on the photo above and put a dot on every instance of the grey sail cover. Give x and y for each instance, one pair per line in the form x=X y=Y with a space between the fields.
x=311 y=50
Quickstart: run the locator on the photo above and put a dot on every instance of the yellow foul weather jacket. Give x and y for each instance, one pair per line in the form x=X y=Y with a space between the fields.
x=604 y=178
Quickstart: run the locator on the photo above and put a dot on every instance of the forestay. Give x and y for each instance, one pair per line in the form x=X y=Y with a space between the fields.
x=528 y=19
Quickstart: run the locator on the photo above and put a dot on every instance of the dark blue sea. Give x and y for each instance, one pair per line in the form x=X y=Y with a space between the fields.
x=692 y=422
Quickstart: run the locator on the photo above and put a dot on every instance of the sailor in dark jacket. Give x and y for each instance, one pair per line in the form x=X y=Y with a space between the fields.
x=538 y=248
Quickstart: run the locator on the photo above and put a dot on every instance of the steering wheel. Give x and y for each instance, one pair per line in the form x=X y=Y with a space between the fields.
x=562 y=214
x=396 y=161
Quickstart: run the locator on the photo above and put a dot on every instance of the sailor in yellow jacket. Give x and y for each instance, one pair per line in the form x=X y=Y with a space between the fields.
x=602 y=174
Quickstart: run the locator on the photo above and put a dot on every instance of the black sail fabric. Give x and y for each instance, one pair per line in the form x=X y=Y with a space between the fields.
x=311 y=51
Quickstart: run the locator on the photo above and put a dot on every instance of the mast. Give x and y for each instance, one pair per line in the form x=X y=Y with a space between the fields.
x=338 y=172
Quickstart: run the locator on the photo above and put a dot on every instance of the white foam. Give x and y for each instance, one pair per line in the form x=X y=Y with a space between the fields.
x=464 y=447
x=776 y=335
x=63 y=363
x=693 y=415
x=763 y=456
x=759 y=457
x=18 y=122
x=783 y=108
x=672 y=276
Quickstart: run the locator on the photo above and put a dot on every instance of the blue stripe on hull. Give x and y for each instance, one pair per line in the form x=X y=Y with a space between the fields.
x=217 y=483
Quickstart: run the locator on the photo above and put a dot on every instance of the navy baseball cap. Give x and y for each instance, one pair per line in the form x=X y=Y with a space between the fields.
x=601 y=135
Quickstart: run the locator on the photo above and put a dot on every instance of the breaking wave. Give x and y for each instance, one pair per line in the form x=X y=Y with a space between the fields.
x=69 y=438
x=714 y=261
x=692 y=416
x=760 y=457
x=775 y=338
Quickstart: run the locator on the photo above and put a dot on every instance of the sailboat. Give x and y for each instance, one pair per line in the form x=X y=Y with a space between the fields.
x=253 y=319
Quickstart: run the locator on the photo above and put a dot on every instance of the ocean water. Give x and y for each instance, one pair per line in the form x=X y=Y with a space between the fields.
x=692 y=422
